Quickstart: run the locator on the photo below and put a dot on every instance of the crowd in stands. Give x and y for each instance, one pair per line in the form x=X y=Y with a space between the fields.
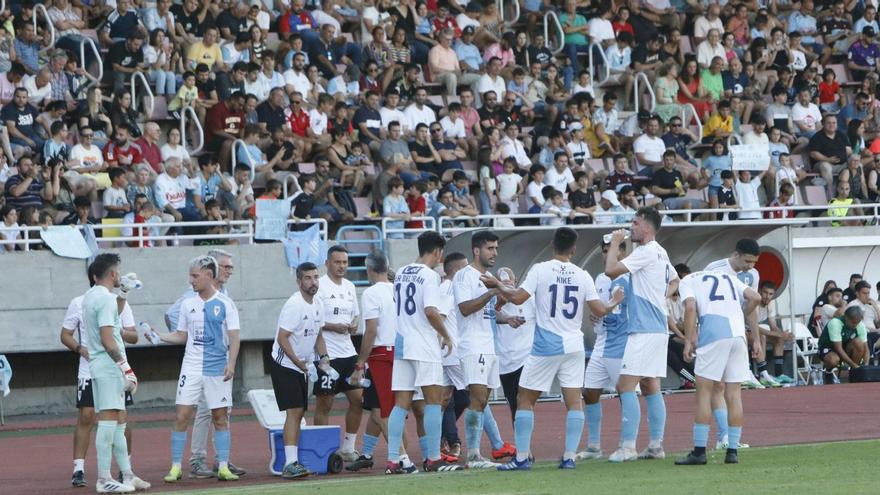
x=406 y=108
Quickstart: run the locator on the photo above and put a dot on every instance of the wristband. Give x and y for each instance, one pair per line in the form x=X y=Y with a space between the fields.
x=323 y=357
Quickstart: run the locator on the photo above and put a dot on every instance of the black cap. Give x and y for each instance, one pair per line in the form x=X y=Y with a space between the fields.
x=868 y=31
x=468 y=30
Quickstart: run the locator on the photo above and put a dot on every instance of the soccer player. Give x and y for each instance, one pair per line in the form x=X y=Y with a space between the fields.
x=844 y=339
x=740 y=264
x=209 y=326
x=559 y=288
x=652 y=277
x=603 y=369
x=73 y=324
x=111 y=375
x=339 y=299
x=719 y=301
x=513 y=345
x=477 y=320
x=203 y=422
x=297 y=339
x=419 y=348
x=456 y=397
x=377 y=352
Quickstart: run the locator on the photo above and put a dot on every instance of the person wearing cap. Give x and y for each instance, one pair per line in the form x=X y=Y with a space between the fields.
x=470 y=59
x=608 y=202
x=864 y=56
x=125 y=58
x=470 y=17
x=445 y=65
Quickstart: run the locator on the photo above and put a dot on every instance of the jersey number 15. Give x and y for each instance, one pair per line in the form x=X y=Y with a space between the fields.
x=569 y=299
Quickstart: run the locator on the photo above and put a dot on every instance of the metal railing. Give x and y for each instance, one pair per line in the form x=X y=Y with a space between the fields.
x=637 y=97
x=38 y=8
x=561 y=39
x=502 y=12
x=426 y=221
x=685 y=121
x=139 y=76
x=82 y=57
x=377 y=242
x=183 y=113
x=597 y=46
x=240 y=142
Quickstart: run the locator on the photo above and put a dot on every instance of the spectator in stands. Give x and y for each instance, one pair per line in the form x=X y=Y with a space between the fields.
x=445 y=65
x=326 y=204
x=710 y=49
x=491 y=81
x=39 y=88
x=841 y=206
x=140 y=186
x=671 y=187
x=828 y=149
x=212 y=185
x=726 y=196
x=121 y=22
x=116 y=204
x=446 y=206
x=857 y=109
x=560 y=176
x=149 y=146
x=649 y=147
x=173 y=147
x=864 y=56
x=806 y=115
x=27 y=187
x=843 y=341
x=512 y=147
x=20 y=117
x=368 y=121
x=27 y=48
x=713 y=166
x=785 y=197
x=122 y=152
x=582 y=198
x=720 y=124
x=224 y=125
x=394 y=206
x=82 y=216
x=161 y=60
x=170 y=191
x=855 y=175
x=746 y=190
x=418 y=111
x=126 y=58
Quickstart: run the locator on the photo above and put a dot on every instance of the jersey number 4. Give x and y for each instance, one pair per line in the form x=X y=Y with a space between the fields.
x=569 y=299
x=713 y=293
x=408 y=301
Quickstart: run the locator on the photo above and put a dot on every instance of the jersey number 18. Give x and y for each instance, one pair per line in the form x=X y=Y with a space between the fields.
x=409 y=303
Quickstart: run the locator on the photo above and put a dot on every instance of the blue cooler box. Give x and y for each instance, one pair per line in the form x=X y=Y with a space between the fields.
x=316 y=446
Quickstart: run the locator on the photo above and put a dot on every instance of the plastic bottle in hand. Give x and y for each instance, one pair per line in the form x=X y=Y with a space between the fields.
x=313 y=372
x=362 y=383
x=147 y=331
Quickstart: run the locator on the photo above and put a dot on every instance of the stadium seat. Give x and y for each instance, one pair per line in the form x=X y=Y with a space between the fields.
x=160 y=109
x=596 y=164
x=363 y=207
x=307 y=168
x=815 y=195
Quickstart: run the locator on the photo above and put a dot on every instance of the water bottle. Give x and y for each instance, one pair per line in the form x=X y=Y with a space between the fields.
x=147 y=331
x=607 y=237
x=817 y=378
x=362 y=383
x=504 y=276
x=313 y=372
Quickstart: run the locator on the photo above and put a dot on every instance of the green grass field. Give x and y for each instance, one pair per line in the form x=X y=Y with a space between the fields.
x=829 y=468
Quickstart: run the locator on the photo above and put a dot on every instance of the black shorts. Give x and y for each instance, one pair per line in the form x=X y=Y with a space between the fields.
x=84 y=397
x=343 y=366
x=291 y=388
x=371 y=398
x=356 y=341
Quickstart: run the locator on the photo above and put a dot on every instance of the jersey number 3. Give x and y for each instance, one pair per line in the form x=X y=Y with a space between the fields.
x=408 y=301
x=569 y=298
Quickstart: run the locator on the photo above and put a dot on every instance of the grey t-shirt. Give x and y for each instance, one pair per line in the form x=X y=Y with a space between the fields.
x=778 y=116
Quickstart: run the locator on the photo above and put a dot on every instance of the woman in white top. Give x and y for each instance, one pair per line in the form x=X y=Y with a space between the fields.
x=174 y=149
x=161 y=58
x=9 y=229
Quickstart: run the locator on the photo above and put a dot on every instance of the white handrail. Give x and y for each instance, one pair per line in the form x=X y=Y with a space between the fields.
x=686 y=121
x=605 y=64
x=547 y=16
x=135 y=76
x=500 y=4
x=636 y=96
x=41 y=8
x=235 y=145
x=183 y=111
x=427 y=220
x=82 y=59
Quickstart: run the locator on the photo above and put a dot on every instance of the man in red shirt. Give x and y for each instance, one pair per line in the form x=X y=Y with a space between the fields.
x=300 y=125
x=122 y=152
x=149 y=146
x=224 y=125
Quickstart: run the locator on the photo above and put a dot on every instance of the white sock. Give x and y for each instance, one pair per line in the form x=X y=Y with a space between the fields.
x=291 y=453
x=567 y=455
x=593 y=447
x=79 y=465
x=404 y=460
x=222 y=465
x=655 y=445
x=348 y=441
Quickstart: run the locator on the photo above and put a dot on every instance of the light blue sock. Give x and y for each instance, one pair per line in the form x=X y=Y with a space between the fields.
x=473 y=430
x=395 y=432
x=423 y=444
x=433 y=429
x=523 y=424
x=574 y=427
x=222 y=443
x=594 y=424
x=104 y=446
x=630 y=417
x=369 y=444
x=120 y=449
x=491 y=428
x=721 y=421
x=656 y=416
x=178 y=441
x=701 y=435
x=733 y=436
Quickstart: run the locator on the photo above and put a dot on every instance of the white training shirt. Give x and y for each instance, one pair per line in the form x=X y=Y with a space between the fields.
x=73 y=321
x=303 y=321
x=560 y=290
x=477 y=330
x=719 y=305
x=749 y=277
x=340 y=307
x=207 y=325
x=650 y=274
x=378 y=303
x=450 y=310
x=513 y=345
x=417 y=288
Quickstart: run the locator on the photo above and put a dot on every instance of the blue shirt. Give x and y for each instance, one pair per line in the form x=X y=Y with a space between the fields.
x=28 y=54
x=391 y=205
x=208 y=187
x=615 y=323
x=716 y=164
x=469 y=54
x=250 y=155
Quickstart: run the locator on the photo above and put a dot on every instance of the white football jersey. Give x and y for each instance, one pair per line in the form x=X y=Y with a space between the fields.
x=73 y=320
x=450 y=310
x=560 y=291
x=303 y=321
x=378 y=304
x=749 y=277
x=416 y=288
x=650 y=274
x=477 y=330
x=719 y=299
x=513 y=345
x=206 y=324
x=340 y=307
